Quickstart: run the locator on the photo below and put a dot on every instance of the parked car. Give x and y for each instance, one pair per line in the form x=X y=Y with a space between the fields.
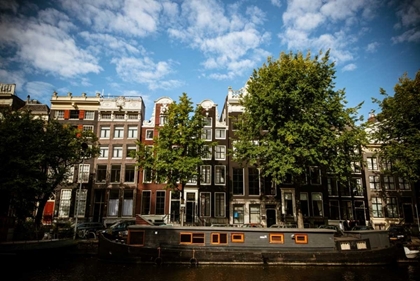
x=399 y=234
x=88 y=229
x=119 y=226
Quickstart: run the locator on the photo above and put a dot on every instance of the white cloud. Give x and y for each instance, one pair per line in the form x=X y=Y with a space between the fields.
x=108 y=44
x=276 y=3
x=412 y=35
x=145 y=71
x=45 y=47
x=13 y=77
x=372 y=47
x=349 y=67
x=39 y=90
x=9 y=5
x=409 y=20
x=130 y=17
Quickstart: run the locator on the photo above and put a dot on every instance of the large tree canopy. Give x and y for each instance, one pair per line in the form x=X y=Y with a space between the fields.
x=398 y=127
x=35 y=158
x=178 y=147
x=293 y=119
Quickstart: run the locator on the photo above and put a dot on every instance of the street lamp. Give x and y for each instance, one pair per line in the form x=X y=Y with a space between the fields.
x=84 y=148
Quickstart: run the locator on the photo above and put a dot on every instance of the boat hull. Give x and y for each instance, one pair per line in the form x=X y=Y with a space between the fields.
x=169 y=252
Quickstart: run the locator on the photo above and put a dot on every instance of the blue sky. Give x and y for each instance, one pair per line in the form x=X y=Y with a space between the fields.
x=166 y=47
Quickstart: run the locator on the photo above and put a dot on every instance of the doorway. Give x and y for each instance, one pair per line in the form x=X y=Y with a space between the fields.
x=271 y=217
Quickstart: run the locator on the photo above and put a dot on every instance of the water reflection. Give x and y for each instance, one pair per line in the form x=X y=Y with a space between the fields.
x=94 y=270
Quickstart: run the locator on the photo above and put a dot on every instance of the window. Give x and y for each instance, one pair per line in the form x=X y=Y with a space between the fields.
x=254 y=214
x=403 y=184
x=332 y=187
x=276 y=238
x=193 y=180
x=220 y=134
x=205 y=204
x=105 y=130
x=377 y=207
x=317 y=204
x=81 y=196
x=207 y=152
x=101 y=174
x=374 y=182
x=288 y=204
x=238 y=181
x=347 y=210
x=65 y=200
x=132 y=132
x=114 y=202
x=219 y=204
x=356 y=167
x=237 y=238
x=103 y=152
x=84 y=170
x=334 y=210
x=372 y=163
x=206 y=135
x=106 y=115
x=119 y=116
x=304 y=204
x=219 y=174
x=253 y=181
x=130 y=150
x=59 y=114
x=391 y=208
x=238 y=214
x=205 y=172
x=149 y=134
x=88 y=128
x=130 y=171
x=207 y=121
x=133 y=116
x=70 y=174
x=127 y=206
x=163 y=119
x=219 y=238
x=344 y=188
x=389 y=182
x=315 y=175
x=220 y=152
x=74 y=114
x=89 y=115
x=117 y=152
x=160 y=202
x=301 y=238
x=115 y=173
x=357 y=187
x=147 y=175
x=269 y=186
x=191 y=238
x=118 y=132
x=145 y=203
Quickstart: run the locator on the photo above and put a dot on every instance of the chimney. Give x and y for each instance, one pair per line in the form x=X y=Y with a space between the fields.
x=372 y=117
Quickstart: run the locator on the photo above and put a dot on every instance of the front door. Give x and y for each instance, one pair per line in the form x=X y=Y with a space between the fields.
x=190 y=208
x=271 y=217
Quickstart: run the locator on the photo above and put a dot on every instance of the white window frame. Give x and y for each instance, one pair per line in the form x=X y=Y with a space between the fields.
x=65 y=203
x=130 y=147
x=207 y=210
x=59 y=114
x=315 y=201
x=206 y=134
x=223 y=176
x=221 y=214
x=89 y=115
x=70 y=174
x=147 y=135
x=218 y=135
x=105 y=132
x=117 y=151
x=132 y=132
x=84 y=171
x=88 y=128
x=118 y=132
x=207 y=152
x=104 y=152
x=221 y=151
x=203 y=170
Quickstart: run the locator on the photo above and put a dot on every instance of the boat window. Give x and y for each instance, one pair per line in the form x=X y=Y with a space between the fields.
x=191 y=238
x=237 y=238
x=136 y=237
x=219 y=238
x=301 y=238
x=276 y=238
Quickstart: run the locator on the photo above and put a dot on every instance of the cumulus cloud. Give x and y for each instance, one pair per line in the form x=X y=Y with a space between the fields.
x=145 y=71
x=45 y=47
x=408 y=14
x=39 y=90
x=349 y=67
x=276 y=3
x=317 y=24
x=372 y=47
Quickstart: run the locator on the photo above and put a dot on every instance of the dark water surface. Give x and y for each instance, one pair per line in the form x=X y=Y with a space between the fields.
x=90 y=268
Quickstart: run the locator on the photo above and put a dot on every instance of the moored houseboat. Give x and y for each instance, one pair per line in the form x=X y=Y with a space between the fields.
x=234 y=245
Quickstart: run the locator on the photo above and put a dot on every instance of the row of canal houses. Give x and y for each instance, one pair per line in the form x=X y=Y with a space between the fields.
x=113 y=188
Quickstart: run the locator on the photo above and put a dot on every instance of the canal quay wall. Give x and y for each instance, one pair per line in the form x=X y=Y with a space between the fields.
x=87 y=247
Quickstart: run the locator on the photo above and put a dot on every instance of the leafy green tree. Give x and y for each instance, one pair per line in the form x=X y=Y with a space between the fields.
x=176 y=154
x=36 y=158
x=398 y=128
x=293 y=119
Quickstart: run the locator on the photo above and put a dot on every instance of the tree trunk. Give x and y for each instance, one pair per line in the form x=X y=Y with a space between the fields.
x=40 y=210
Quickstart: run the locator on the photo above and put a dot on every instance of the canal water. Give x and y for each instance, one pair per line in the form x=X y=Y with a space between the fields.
x=92 y=269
